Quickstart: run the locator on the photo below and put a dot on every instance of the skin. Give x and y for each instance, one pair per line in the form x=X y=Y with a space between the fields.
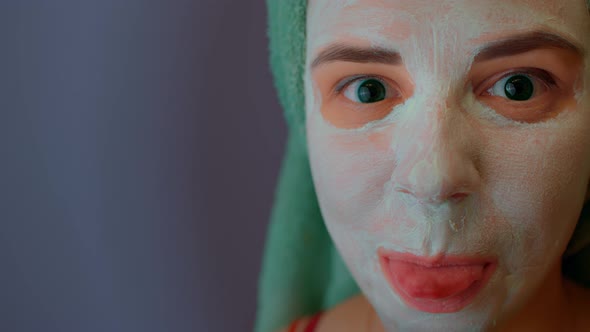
x=444 y=166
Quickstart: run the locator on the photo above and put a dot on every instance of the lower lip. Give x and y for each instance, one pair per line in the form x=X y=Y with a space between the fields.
x=441 y=284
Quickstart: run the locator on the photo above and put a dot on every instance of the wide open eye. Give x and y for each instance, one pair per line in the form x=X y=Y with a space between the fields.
x=366 y=90
x=519 y=87
x=354 y=100
x=523 y=95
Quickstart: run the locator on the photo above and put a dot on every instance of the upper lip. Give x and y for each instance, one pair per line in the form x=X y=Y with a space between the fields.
x=438 y=260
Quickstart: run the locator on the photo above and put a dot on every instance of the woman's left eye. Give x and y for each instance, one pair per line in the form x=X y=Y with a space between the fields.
x=365 y=90
x=520 y=86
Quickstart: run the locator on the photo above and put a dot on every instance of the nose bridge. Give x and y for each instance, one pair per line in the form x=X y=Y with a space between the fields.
x=433 y=163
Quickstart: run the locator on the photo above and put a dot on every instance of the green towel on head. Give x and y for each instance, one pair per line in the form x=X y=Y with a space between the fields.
x=302 y=272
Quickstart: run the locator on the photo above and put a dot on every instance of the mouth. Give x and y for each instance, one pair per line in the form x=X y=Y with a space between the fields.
x=439 y=284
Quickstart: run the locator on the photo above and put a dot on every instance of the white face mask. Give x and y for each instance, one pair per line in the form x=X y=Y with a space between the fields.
x=451 y=174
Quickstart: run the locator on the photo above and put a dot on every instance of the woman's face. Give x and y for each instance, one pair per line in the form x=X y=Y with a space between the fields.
x=449 y=147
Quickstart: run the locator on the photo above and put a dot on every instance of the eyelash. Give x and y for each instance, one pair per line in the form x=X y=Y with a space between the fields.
x=535 y=73
x=349 y=80
x=539 y=74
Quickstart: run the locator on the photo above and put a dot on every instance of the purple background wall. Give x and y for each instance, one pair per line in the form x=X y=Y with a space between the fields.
x=140 y=143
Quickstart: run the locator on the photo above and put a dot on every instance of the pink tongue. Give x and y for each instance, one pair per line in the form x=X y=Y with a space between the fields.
x=435 y=282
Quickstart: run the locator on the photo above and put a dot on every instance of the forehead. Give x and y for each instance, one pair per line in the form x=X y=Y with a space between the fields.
x=381 y=22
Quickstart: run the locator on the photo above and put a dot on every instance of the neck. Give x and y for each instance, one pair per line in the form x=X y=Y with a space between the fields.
x=551 y=309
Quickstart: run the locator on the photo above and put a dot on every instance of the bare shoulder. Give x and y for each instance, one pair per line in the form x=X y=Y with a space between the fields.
x=584 y=309
x=581 y=302
x=353 y=314
x=299 y=325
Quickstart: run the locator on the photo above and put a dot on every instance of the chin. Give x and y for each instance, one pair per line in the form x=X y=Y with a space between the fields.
x=407 y=319
x=485 y=312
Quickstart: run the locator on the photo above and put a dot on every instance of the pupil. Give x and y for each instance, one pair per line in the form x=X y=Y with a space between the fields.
x=519 y=87
x=371 y=91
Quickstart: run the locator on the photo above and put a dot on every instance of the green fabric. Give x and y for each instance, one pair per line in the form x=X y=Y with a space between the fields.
x=302 y=272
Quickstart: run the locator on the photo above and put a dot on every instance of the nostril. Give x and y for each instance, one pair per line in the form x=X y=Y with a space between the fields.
x=402 y=190
x=458 y=196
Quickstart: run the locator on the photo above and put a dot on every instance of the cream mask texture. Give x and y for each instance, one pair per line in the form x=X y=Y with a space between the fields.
x=449 y=144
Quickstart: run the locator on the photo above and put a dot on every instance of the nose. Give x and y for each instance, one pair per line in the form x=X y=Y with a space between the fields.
x=436 y=159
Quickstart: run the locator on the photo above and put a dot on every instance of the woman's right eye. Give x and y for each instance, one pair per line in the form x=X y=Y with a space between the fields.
x=366 y=90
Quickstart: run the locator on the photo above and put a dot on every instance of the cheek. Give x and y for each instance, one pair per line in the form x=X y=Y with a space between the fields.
x=349 y=170
x=534 y=184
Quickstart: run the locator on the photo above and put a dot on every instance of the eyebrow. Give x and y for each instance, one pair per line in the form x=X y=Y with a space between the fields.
x=342 y=52
x=524 y=43
x=507 y=47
